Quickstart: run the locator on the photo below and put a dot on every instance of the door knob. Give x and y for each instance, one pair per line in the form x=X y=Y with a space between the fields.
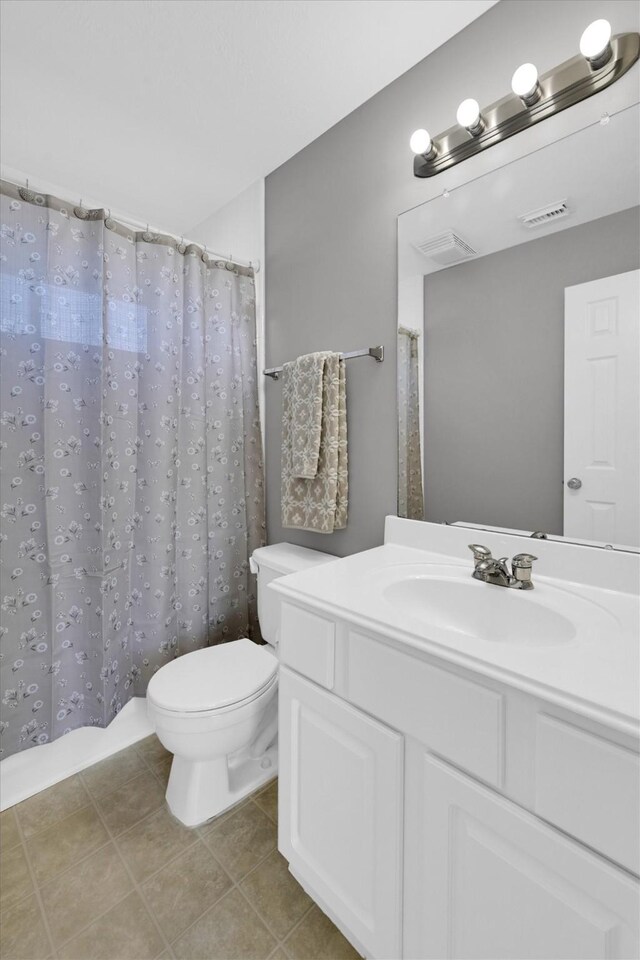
x=574 y=484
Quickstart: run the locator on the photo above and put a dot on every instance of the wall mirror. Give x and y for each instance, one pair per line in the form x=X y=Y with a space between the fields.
x=519 y=344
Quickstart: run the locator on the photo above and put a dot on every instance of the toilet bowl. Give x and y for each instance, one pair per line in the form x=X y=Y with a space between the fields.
x=215 y=709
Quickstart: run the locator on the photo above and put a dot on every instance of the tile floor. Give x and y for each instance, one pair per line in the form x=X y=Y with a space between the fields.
x=96 y=867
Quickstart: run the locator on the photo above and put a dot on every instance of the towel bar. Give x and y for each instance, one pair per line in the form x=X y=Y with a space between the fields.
x=377 y=353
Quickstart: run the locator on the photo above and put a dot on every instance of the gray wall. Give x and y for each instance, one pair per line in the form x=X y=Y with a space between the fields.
x=494 y=373
x=331 y=230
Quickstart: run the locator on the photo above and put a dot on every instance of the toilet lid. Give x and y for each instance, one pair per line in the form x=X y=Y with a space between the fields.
x=214 y=677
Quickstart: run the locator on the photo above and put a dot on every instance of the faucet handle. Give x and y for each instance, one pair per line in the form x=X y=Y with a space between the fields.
x=521 y=566
x=524 y=561
x=480 y=552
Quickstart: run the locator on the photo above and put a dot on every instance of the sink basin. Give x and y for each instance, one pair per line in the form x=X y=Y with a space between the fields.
x=458 y=603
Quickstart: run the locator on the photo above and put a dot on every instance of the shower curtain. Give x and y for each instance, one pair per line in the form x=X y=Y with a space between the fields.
x=132 y=483
x=410 y=493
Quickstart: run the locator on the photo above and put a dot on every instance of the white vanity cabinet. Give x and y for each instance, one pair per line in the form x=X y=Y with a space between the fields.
x=433 y=812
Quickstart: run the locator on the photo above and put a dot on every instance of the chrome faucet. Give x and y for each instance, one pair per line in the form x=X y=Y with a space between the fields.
x=490 y=570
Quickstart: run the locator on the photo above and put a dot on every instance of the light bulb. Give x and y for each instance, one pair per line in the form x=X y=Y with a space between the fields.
x=595 y=43
x=422 y=144
x=420 y=141
x=524 y=84
x=468 y=116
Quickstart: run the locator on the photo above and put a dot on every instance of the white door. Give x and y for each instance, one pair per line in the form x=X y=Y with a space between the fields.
x=340 y=812
x=602 y=410
x=489 y=880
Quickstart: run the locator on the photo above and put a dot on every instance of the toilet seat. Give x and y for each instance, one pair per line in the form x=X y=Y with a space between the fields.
x=213 y=680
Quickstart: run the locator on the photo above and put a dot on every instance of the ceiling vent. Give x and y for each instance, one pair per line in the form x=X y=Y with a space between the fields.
x=447 y=248
x=538 y=218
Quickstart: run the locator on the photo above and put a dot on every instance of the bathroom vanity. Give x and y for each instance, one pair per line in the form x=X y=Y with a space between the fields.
x=459 y=762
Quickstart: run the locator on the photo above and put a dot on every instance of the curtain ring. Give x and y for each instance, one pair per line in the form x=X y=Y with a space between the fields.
x=26 y=194
x=205 y=255
x=147 y=236
x=80 y=211
x=108 y=222
x=181 y=247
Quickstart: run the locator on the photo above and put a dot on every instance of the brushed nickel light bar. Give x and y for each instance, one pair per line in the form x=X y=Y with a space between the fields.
x=603 y=59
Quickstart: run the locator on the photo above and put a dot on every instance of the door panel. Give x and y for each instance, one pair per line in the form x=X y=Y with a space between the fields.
x=602 y=410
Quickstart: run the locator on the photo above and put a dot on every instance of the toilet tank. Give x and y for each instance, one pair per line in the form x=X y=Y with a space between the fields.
x=273 y=561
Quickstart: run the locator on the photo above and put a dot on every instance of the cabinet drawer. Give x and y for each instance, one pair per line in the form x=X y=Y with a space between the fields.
x=307 y=643
x=460 y=720
x=589 y=787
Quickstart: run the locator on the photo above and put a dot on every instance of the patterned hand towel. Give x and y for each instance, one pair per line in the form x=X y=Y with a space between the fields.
x=314 y=435
x=304 y=394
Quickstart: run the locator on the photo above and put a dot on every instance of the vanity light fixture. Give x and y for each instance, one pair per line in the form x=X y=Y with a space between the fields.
x=603 y=59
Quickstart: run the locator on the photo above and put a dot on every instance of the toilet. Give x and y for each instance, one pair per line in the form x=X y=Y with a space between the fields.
x=216 y=709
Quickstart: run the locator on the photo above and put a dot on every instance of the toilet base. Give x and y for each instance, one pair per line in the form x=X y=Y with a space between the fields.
x=198 y=791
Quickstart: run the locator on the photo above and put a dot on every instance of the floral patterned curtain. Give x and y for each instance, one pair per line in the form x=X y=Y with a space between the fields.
x=132 y=483
x=410 y=492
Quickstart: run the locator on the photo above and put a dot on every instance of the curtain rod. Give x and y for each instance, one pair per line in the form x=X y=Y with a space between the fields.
x=139 y=226
x=377 y=353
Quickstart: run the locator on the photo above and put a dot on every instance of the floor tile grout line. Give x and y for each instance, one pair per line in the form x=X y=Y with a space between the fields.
x=136 y=886
x=56 y=876
x=100 y=800
x=94 y=919
x=254 y=800
x=147 y=816
x=277 y=939
x=298 y=922
x=36 y=890
x=17 y=806
x=236 y=884
x=151 y=769
x=54 y=823
x=72 y=866
x=85 y=770
x=132 y=747
x=170 y=862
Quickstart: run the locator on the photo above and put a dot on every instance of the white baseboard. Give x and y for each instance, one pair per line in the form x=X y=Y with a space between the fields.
x=26 y=773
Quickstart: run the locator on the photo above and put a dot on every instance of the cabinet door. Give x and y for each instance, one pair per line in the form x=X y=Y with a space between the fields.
x=340 y=812
x=486 y=879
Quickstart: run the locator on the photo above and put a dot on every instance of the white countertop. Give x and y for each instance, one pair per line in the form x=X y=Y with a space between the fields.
x=595 y=673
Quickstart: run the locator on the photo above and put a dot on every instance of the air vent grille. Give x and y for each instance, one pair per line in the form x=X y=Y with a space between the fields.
x=447 y=248
x=538 y=218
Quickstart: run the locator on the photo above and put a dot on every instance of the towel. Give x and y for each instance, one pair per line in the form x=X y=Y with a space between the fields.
x=305 y=392
x=314 y=443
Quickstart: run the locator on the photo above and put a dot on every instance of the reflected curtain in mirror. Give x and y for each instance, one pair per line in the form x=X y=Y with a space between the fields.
x=132 y=492
x=410 y=492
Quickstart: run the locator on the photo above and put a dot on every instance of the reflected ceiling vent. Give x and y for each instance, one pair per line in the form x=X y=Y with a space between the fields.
x=447 y=248
x=538 y=218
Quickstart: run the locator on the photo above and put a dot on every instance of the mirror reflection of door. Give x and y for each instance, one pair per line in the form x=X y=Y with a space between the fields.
x=602 y=410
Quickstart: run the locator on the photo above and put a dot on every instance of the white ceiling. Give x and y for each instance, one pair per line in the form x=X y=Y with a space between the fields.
x=167 y=109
